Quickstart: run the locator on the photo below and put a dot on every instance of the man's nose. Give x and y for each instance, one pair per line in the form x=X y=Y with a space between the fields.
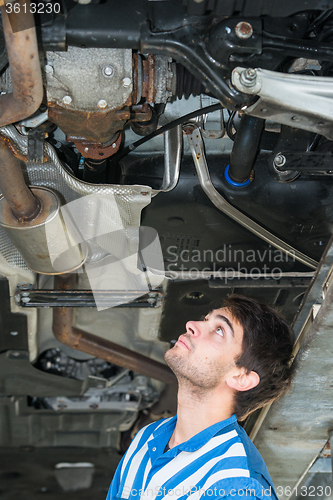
x=193 y=328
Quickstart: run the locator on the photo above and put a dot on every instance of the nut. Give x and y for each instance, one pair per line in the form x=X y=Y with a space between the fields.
x=279 y=160
x=108 y=71
x=126 y=82
x=102 y=104
x=49 y=69
x=244 y=30
x=248 y=77
x=67 y=100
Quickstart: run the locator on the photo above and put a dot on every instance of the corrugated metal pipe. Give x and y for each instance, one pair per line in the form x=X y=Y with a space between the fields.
x=100 y=347
x=21 y=42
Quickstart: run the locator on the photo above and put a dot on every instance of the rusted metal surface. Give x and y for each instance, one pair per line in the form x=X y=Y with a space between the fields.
x=148 y=81
x=24 y=66
x=137 y=79
x=24 y=205
x=141 y=113
x=12 y=147
x=80 y=126
x=100 y=347
x=96 y=151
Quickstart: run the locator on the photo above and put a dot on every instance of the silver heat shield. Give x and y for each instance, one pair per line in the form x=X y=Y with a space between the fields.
x=107 y=216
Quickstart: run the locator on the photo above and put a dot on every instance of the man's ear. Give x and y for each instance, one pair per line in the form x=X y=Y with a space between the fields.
x=243 y=381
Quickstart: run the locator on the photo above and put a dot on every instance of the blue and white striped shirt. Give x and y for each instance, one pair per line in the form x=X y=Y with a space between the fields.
x=219 y=462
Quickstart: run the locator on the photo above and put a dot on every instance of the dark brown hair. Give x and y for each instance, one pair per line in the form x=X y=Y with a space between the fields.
x=267 y=350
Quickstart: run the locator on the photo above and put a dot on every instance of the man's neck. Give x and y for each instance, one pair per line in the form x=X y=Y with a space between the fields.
x=198 y=410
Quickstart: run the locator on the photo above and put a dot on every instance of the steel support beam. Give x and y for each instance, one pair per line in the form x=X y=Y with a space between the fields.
x=292 y=432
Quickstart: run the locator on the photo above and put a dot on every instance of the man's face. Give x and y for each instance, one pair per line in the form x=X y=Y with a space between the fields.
x=205 y=354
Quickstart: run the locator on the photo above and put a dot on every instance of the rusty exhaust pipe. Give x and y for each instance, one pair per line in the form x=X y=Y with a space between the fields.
x=21 y=42
x=99 y=347
x=24 y=205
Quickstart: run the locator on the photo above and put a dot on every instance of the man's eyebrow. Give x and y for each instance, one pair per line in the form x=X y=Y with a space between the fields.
x=226 y=320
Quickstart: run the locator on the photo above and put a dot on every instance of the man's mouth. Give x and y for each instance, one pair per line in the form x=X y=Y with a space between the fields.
x=182 y=342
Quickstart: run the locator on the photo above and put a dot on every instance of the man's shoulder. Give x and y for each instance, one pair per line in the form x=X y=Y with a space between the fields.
x=253 y=468
x=255 y=460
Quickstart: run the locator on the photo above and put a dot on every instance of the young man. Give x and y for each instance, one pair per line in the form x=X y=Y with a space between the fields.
x=234 y=361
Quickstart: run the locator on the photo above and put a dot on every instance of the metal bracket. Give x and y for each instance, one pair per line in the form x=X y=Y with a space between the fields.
x=35 y=145
x=307 y=163
x=86 y=298
x=301 y=101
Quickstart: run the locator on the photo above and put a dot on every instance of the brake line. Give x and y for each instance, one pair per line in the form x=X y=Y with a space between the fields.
x=170 y=125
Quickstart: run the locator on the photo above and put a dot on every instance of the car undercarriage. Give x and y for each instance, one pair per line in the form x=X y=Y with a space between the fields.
x=155 y=157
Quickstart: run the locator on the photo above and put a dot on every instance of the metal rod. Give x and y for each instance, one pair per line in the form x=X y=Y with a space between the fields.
x=21 y=41
x=173 y=145
x=99 y=347
x=298 y=48
x=24 y=205
x=199 y=158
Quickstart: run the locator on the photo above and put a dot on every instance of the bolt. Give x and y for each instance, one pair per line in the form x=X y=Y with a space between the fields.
x=151 y=301
x=102 y=104
x=16 y=354
x=108 y=71
x=126 y=82
x=114 y=145
x=67 y=100
x=279 y=160
x=24 y=286
x=244 y=30
x=144 y=193
x=14 y=333
x=248 y=77
x=188 y=128
x=49 y=69
x=25 y=300
x=86 y=150
x=93 y=406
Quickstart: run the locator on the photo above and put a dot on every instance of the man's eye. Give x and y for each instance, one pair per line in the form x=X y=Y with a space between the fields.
x=219 y=331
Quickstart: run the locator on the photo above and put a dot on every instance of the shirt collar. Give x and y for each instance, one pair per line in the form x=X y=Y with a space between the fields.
x=197 y=441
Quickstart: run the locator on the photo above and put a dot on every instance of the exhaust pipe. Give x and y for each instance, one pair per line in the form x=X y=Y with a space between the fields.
x=23 y=204
x=100 y=347
x=21 y=42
